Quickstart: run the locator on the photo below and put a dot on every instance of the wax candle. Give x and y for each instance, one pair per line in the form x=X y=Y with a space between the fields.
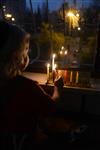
x=71 y=76
x=48 y=68
x=77 y=76
x=53 y=62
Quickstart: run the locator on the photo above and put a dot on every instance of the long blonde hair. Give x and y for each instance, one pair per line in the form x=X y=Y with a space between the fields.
x=13 y=58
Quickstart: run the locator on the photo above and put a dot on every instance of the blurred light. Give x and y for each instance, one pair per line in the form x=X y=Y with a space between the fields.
x=70 y=14
x=76 y=50
x=55 y=66
x=65 y=52
x=77 y=15
x=13 y=19
x=61 y=52
x=62 y=47
x=8 y=15
x=78 y=28
x=4 y=9
x=53 y=62
x=54 y=55
x=73 y=19
x=3 y=6
x=48 y=65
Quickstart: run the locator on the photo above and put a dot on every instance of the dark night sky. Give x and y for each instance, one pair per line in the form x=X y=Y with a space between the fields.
x=55 y=4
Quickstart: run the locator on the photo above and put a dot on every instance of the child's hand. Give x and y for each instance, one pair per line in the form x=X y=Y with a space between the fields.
x=59 y=82
x=58 y=88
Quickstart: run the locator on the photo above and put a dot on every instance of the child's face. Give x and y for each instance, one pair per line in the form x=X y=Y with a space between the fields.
x=26 y=45
x=26 y=48
x=24 y=55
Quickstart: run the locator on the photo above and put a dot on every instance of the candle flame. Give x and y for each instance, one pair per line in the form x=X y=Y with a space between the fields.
x=54 y=55
x=48 y=65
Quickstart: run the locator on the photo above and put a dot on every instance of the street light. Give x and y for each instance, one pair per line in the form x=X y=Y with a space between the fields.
x=70 y=14
x=63 y=56
x=63 y=51
x=13 y=19
x=4 y=8
x=8 y=16
x=78 y=28
x=73 y=19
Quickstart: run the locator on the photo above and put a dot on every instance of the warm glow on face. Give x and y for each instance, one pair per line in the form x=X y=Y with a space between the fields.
x=59 y=73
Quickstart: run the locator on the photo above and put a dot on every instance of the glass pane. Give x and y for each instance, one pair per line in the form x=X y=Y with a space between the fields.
x=69 y=29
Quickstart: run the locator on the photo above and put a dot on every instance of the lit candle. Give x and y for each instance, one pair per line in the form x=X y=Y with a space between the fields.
x=54 y=72
x=77 y=76
x=53 y=62
x=48 y=66
x=71 y=76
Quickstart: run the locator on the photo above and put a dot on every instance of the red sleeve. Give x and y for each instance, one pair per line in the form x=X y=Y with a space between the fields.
x=44 y=104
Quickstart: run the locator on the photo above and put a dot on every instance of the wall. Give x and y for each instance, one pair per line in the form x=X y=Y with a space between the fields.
x=83 y=100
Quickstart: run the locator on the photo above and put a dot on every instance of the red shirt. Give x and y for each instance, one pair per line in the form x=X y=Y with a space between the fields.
x=24 y=100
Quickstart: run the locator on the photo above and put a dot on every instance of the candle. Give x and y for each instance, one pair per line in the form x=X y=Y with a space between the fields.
x=77 y=76
x=54 y=72
x=65 y=76
x=71 y=76
x=53 y=62
x=48 y=67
